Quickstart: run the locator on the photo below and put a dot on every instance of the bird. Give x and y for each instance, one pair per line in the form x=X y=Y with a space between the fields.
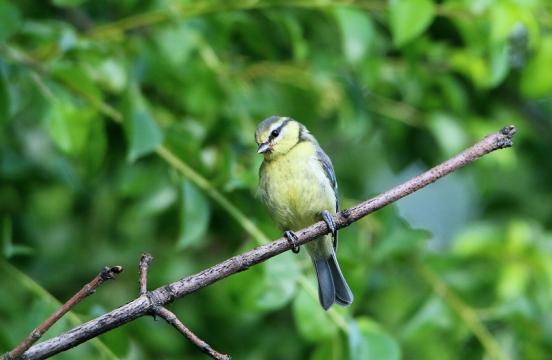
x=297 y=183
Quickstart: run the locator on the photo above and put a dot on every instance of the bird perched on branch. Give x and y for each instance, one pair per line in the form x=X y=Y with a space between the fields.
x=298 y=185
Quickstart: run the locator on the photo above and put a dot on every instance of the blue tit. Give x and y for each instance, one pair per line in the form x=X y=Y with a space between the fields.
x=298 y=185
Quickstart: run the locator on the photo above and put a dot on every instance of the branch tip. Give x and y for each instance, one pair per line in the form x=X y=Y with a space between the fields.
x=88 y=289
x=506 y=141
x=146 y=259
x=508 y=131
x=109 y=273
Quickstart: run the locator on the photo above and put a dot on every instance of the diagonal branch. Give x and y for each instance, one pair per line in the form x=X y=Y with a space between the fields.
x=107 y=273
x=171 y=318
x=168 y=293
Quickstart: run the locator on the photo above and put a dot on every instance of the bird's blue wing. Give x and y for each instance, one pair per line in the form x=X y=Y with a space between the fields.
x=330 y=174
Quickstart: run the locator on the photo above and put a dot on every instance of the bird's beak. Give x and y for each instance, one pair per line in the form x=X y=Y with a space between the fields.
x=263 y=148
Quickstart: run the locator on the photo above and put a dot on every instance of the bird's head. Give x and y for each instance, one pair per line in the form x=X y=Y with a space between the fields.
x=276 y=135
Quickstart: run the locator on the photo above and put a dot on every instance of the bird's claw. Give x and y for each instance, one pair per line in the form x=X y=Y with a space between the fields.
x=292 y=238
x=329 y=220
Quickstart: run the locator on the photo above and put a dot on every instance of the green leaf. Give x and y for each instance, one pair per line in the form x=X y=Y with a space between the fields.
x=143 y=133
x=280 y=282
x=267 y=287
x=409 y=18
x=94 y=154
x=68 y=3
x=69 y=124
x=313 y=322
x=448 y=132
x=400 y=241
x=194 y=215
x=10 y=20
x=4 y=96
x=368 y=341
x=357 y=32
x=330 y=350
x=8 y=248
x=478 y=239
x=77 y=79
x=433 y=314
x=503 y=17
x=513 y=281
x=110 y=74
x=499 y=63
x=184 y=34
x=485 y=71
x=536 y=79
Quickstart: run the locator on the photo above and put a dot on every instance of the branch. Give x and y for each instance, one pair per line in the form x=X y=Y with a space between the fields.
x=169 y=316
x=143 y=268
x=107 y=273
x=166 y=294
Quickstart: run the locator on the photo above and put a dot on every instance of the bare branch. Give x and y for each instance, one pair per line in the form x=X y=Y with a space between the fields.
x=168 y=293
x=107 y=273
x=171 y=318
x=143 y=267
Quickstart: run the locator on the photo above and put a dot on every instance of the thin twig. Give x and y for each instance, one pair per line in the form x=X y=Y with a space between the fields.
x=107 y=273
x=168 y=293
x=145 y=261
x=171 y=318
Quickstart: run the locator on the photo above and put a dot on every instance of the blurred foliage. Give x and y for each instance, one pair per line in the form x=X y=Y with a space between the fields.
x=127 y=126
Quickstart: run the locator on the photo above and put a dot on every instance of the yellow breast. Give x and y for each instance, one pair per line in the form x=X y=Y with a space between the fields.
x=295 y=187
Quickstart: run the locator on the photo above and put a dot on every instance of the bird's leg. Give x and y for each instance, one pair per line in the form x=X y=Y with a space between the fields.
x=292 y=238
x=329 y=220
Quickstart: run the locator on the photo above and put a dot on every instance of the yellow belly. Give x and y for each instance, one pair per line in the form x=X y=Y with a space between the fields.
x=296 y=189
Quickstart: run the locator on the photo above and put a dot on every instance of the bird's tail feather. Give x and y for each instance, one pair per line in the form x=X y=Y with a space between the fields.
x=343 y=294
x=332 y=286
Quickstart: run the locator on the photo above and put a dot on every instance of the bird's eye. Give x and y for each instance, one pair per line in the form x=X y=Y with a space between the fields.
x=275 y=133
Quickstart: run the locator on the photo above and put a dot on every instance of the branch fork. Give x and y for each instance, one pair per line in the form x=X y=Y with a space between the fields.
x=157 y=309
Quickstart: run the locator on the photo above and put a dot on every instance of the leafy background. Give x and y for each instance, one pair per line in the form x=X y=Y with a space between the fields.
x=127 y=126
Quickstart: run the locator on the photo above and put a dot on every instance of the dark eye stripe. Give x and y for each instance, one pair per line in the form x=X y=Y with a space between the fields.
x=278 y=129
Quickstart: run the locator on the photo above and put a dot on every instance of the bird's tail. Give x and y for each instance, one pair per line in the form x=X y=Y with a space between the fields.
x=332 y=287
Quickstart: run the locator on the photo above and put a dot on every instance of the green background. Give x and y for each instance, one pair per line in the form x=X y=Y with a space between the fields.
x=127 y=126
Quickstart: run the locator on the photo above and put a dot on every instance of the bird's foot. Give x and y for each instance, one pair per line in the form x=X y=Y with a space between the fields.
x=329 y=220
x=292 y=238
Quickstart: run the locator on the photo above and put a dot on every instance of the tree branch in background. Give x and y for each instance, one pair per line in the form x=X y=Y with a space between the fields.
x=166 y=294
x=169 y=316
x=106 y=274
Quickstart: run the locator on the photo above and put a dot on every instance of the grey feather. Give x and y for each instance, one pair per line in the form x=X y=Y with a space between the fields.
x=343 y=294
x=332 y=287
x=328 y=169
x=330 y=174
x=326 y=288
